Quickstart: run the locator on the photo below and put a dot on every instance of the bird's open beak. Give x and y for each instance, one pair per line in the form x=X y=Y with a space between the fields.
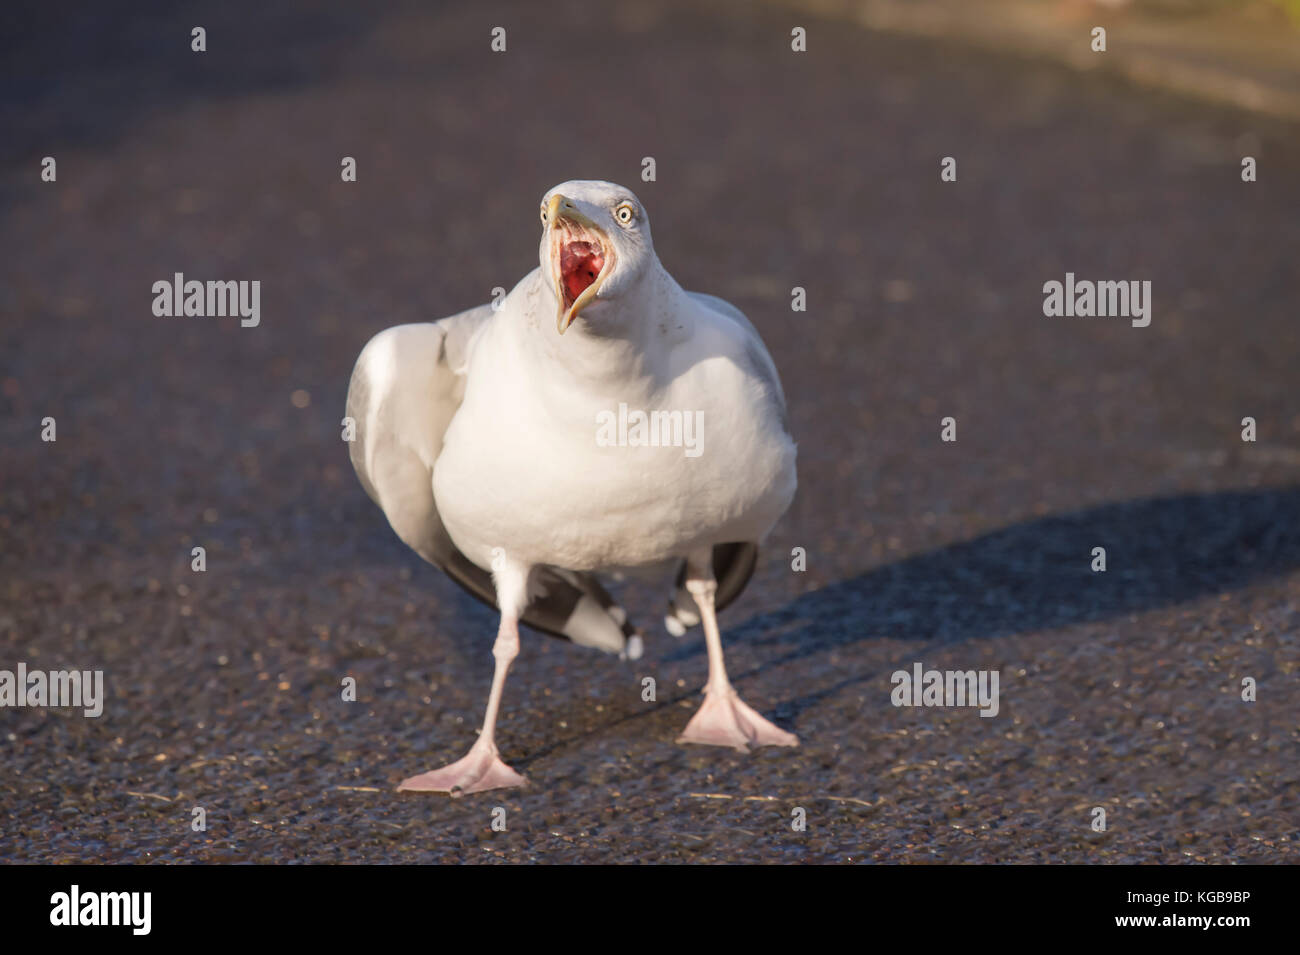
x=581 y=258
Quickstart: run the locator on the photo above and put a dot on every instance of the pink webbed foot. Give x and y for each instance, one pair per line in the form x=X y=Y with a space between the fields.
x=481 y=769
x=725 y=719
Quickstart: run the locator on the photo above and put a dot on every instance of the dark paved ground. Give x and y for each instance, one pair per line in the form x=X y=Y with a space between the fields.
x=1118 y=690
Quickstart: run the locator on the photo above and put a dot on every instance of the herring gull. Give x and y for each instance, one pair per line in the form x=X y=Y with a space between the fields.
x=480 y=437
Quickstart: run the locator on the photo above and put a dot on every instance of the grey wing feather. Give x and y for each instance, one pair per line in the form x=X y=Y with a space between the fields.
x=760 y=361
x=733 y=566
x=406 y=387
x=733 y=563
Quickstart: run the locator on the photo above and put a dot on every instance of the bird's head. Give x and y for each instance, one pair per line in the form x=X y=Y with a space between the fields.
x=595 y=246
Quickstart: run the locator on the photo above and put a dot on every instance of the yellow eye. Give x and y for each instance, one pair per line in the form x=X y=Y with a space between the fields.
x=625 y=213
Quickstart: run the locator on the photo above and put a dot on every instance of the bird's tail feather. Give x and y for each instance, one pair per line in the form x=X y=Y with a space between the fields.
x=733 y=565
x=562 y=603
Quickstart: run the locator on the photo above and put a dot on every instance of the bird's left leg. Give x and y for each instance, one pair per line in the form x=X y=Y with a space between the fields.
x=482 y=767
x=724 y=719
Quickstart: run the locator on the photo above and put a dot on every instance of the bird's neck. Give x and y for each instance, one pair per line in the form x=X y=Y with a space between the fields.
x=623 y=346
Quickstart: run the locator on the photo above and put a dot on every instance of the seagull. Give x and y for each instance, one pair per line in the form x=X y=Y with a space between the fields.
x=488 y=440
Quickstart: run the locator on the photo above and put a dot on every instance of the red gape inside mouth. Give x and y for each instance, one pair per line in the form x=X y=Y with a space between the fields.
x=580 y=264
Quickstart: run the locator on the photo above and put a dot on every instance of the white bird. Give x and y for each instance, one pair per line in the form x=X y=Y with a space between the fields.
x=487 y=439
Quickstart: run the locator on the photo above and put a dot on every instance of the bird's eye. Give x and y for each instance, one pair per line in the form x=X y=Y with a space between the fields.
x=543 y=214
x=625 y=213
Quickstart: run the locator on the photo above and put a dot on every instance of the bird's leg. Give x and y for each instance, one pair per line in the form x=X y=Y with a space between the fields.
x=482 y=768
x=724 y=719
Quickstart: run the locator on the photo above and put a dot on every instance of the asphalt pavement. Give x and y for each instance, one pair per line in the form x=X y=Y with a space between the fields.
x=1119 y=690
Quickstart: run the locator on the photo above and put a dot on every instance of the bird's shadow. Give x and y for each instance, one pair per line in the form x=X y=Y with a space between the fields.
x=1038 y=575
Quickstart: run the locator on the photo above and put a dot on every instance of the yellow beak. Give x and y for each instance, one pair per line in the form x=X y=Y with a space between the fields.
x=562 y=208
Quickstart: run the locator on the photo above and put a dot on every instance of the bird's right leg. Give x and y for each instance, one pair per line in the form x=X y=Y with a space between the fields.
x=482 y=767
x=724 y=719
